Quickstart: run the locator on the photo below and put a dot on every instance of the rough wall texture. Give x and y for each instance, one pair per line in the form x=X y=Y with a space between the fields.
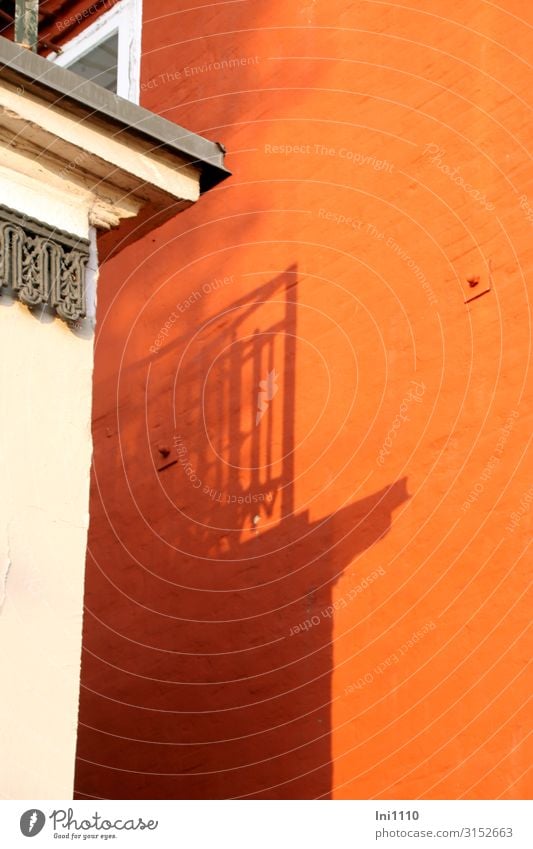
x=310 y=504
x=45 y=459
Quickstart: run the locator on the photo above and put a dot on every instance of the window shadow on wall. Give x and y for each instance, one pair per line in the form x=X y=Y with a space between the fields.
x=208 y=675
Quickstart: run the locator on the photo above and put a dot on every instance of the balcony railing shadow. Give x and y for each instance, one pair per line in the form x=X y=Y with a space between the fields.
x=224 y=686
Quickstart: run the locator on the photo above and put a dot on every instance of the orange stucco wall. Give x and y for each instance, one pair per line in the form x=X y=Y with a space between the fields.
x=320 y=590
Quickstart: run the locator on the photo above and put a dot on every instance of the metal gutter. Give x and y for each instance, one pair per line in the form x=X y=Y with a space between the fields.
x=62 y=87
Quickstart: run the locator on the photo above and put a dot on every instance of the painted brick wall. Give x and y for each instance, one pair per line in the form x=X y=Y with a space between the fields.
x=311 y=504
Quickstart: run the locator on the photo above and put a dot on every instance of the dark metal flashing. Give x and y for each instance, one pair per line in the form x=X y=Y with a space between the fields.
x=62 y=87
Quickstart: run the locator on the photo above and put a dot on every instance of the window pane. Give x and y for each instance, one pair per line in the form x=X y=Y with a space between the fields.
x=100 y=64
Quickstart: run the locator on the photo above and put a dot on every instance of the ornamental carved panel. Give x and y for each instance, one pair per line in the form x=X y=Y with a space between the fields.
x=43 y=266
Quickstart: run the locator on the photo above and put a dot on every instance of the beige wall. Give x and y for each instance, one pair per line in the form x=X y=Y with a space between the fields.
x=45 y=455
x=65 y=169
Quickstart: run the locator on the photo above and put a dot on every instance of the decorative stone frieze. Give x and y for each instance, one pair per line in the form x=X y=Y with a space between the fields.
x=42 y=265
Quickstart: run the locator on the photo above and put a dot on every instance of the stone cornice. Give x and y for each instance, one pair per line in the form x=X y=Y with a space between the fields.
x=79 y=157
x=87 y=101
x=108 y=156
x=114 y=176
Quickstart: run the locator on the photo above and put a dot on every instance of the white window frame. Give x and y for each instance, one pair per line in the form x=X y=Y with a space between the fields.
x=126 y=19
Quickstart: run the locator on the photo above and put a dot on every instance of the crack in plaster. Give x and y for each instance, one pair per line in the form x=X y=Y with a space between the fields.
x=6 y=566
